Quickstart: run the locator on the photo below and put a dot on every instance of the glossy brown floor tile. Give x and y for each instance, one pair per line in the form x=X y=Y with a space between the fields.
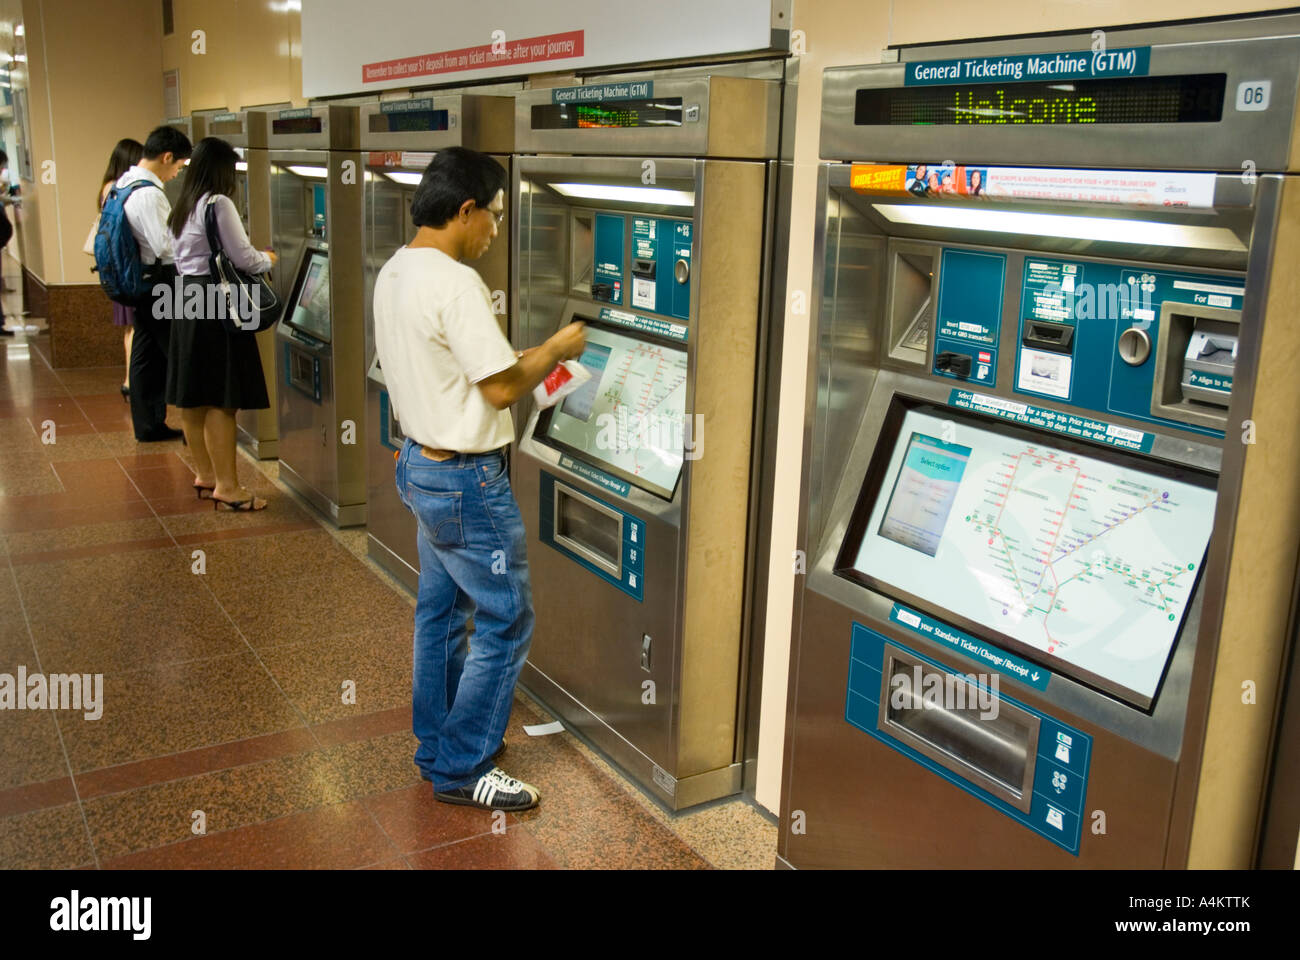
x=92 y=534
x=128 y=639
x=377 y=665
x=377 y=765
x=305 y=609
x=336 y=837
x=37 y=796
x=415 y=821
x=349 y=729
x=164 y=813
x=189 y=763
x=168 y=709
x=513 y=850
x=50 y=839
x=29 y=741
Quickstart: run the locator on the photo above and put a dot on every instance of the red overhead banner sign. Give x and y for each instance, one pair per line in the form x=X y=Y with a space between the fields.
x=555 y=46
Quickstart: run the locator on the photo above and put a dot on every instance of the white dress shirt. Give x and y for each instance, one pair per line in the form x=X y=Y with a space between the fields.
x=147 y=211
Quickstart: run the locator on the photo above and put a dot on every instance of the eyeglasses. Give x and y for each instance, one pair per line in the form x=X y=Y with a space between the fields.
x=498 y=214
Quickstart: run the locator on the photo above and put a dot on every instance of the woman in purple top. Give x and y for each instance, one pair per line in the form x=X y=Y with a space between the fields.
x=126 y=155
x=211 y=373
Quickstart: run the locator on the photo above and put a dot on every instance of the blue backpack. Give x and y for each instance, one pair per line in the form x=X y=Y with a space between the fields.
x=117 y=254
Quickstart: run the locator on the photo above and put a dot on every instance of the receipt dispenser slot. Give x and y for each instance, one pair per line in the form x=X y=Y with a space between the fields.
x=589 y=529
x=969 y=730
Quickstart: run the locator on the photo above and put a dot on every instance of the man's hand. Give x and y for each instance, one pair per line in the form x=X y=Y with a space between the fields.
x=506 y=388
x=572 y=340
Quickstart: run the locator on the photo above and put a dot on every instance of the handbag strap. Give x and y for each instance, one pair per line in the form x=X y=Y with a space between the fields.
x=214 y=236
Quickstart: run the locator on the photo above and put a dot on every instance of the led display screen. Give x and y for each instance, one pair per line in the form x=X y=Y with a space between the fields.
x=1182 y=99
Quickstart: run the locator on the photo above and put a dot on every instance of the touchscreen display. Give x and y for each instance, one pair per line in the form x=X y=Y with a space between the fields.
x=311 y=306
x=1089 y=561
x=628 y=418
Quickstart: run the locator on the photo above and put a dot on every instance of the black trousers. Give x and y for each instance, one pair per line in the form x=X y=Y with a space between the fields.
x=149 y=364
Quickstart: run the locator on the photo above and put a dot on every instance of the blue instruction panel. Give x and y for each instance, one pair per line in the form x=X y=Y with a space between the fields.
x=1062 y=753
x=631 y=578
x=607 y=272
x=1072 y=314
x=657 y=245
x=968 y=321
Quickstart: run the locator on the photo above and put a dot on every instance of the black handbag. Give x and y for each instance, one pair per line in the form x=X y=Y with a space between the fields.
x=246 y=303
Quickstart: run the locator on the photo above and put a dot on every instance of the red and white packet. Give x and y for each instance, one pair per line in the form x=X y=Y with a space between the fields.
x=568 y=376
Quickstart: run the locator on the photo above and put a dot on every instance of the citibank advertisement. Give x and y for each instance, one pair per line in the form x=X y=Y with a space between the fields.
x=940 y=181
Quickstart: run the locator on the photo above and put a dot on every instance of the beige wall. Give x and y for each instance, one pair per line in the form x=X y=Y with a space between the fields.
x=85 y=94
x=841 y=32
x=253 y=53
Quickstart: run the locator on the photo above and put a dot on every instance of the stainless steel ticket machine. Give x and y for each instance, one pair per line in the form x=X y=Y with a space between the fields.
x=1050 y=494
x=635 y=489
x=398 y=139
x=316 y=179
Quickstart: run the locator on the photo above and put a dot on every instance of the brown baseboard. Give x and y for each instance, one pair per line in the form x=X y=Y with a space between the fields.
x=81 y=327
x=35 y=295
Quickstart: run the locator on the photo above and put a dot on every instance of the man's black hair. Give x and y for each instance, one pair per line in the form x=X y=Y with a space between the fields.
x=452 y=177
x=167 y=140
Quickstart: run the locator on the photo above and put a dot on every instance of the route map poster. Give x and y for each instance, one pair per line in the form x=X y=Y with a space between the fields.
x=628 y=418
x=1088 y=561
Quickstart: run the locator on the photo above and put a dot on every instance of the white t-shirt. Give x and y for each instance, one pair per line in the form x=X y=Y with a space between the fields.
x=436 y=338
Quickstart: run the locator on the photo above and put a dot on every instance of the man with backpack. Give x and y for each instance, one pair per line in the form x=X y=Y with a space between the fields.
x=138 y=198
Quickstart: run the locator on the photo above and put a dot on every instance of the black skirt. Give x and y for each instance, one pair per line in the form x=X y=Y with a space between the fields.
x=208 y=367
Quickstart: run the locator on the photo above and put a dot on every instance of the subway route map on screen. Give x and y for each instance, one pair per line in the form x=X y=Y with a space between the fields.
x=1084 y=559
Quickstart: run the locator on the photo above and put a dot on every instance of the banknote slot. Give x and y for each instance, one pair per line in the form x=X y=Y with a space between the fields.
x=961 y=725
x=590 y=529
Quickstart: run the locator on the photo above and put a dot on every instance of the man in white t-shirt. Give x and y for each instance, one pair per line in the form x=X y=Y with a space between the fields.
x=452 y=377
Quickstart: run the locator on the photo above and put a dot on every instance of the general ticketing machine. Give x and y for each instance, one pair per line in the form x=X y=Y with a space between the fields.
x=634 y=489
x=316 y=179
x=1050 y=492
x=246 y=130
x=398 y=140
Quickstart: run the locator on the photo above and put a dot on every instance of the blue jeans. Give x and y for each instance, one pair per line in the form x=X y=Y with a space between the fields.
x=472 y=563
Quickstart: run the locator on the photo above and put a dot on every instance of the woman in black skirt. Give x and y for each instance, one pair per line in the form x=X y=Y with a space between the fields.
x=212 y=373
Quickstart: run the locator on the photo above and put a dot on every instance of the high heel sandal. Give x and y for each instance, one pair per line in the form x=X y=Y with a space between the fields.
x=237 y=506
x=200 y=490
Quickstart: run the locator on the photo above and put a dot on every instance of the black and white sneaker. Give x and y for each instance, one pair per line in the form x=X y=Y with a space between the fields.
x=495 y=790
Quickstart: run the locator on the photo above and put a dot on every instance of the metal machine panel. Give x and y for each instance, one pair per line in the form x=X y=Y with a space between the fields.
x=992 y=131
x=1151 y=380
x=644 y=662
x=654 y=116
x=317 y=202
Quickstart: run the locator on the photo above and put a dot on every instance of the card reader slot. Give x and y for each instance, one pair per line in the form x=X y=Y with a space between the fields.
x=939 y=713
x=1045 y=335
x=590 y=529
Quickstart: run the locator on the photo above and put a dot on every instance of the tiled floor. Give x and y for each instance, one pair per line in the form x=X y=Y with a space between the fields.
x=225 y=644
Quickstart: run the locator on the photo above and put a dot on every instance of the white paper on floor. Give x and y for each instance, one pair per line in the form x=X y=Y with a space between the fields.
x=542 y=729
